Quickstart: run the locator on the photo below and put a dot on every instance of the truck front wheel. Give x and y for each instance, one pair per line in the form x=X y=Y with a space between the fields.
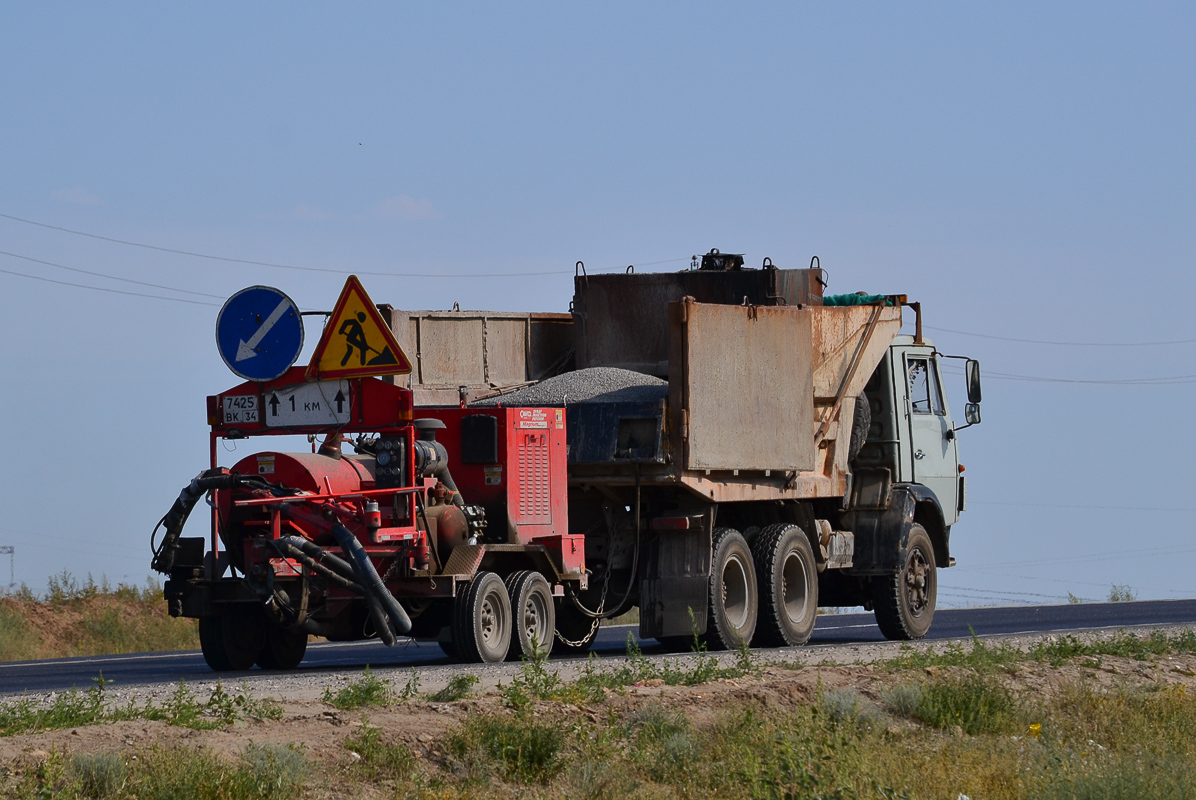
x=788 y=577
x=906 y=599
x=733 y=595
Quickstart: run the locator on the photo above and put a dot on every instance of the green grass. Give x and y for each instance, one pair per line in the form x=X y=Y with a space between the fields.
x=985 y=657
x=74 y=708
x=519 y=749
x=369 y=690
x=458 y=688
x=75 y=618
x=260 y=771
x=380 y=759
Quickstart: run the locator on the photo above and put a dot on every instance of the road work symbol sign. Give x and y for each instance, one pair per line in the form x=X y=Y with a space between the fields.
x=356 y=341
x=260 y=333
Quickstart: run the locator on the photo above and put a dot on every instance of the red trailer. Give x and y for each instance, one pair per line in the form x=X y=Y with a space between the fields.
x=452 y=527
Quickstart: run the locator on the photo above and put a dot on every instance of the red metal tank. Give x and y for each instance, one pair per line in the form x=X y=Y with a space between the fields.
x=311 y=472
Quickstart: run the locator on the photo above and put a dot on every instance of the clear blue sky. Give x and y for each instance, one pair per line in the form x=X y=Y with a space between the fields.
x=1025 y=170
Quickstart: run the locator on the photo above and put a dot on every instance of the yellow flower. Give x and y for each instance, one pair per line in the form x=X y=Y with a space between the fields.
x=1036 y=729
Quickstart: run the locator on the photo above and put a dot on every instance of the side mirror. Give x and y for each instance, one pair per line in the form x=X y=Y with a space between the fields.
x=971 y=413
x=972 y=370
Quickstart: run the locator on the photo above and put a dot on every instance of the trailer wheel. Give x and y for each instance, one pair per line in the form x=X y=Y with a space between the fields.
x=282 y=649
x=732 y=611
x=482 y=620
x=575 y=632
x=231 y=641
x=533 y=615
x=788 y=579
x=906 y=599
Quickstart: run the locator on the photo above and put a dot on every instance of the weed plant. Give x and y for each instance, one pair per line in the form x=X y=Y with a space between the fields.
x=369 y=690
x=458 y=688
x=74 y=708
x=260 y=772
x=380 y=759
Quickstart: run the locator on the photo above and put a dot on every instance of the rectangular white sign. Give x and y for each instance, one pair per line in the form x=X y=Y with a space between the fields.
x=321 y=403
x=239 y=408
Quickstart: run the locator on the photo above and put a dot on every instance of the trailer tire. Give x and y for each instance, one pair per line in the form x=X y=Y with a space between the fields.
x=282 y=649
x=533 y=615
x=231 y=642
x=482 y=620
x=905 y=600
x=575 y=632
x=733 y=599
x=787 y=575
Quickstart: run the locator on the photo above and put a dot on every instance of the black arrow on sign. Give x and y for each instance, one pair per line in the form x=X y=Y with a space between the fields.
x=340 y=401
x=274 y=405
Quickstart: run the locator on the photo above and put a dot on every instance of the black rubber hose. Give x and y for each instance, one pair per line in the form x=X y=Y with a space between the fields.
x=290 y=551
x=176 y=517
x=381 y=623
x=368 y=577
x=310 y=548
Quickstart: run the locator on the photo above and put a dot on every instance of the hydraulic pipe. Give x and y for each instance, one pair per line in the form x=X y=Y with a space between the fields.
x=368 y=577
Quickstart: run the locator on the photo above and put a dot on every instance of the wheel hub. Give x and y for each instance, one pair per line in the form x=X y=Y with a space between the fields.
x=916 y=589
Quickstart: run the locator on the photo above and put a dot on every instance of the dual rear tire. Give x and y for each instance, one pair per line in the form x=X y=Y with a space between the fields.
x=495 y=620
x=766 y=594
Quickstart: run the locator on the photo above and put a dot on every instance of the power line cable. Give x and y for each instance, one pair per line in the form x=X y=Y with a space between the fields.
x=1165 y=380
x=1061 y=344
x=276 y=265
x=1081 y=506
x=110 y=277
x=109 y=291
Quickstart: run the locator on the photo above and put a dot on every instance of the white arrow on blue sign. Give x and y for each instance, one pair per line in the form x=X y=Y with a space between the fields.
x=259 y=333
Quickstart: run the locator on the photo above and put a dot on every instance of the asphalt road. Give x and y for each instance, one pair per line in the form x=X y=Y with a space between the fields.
x=835 y=629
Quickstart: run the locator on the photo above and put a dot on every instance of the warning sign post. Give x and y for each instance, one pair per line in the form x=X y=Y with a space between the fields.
x=356 y=342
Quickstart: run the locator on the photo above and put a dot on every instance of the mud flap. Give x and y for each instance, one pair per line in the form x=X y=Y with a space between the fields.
x=673 y=586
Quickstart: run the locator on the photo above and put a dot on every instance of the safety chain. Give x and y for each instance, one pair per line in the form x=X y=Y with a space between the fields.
x=597 y=620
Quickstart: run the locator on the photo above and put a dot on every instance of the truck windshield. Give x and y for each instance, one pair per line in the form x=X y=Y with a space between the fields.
x=923 y=388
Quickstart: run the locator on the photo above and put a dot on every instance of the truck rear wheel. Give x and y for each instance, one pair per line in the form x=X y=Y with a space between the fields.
x=788 y=580
x=282 y=649
x=905 y=601
x=231 y=641
x=731 y=619
x=533 y=614
x=482 y=620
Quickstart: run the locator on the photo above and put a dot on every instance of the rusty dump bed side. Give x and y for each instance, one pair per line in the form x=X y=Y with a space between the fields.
x=479 y=350
x=760 y=391
x=760 y=399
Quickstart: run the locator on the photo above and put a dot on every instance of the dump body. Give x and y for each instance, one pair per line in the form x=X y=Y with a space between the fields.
x=737 y=374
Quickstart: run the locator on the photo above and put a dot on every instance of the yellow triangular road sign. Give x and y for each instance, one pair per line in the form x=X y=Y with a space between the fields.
x=356 y=341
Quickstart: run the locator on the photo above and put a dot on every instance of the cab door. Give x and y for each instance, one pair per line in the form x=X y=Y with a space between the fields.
x=933 y=459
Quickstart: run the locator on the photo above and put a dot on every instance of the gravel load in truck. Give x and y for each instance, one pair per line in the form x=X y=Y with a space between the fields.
x=593 y=385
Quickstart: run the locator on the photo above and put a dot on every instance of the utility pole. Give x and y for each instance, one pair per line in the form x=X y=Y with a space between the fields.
x=10 y=551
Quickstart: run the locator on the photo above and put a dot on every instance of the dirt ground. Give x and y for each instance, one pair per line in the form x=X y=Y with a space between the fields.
x=322 y=729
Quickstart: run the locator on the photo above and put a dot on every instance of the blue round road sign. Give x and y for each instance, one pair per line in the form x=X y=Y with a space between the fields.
x=259 y=333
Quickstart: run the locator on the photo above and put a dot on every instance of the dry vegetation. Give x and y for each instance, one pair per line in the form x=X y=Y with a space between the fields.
x=76 y=618
x=1068 y=718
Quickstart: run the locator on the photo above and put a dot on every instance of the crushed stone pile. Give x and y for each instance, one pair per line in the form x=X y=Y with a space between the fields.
x=594 y=385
